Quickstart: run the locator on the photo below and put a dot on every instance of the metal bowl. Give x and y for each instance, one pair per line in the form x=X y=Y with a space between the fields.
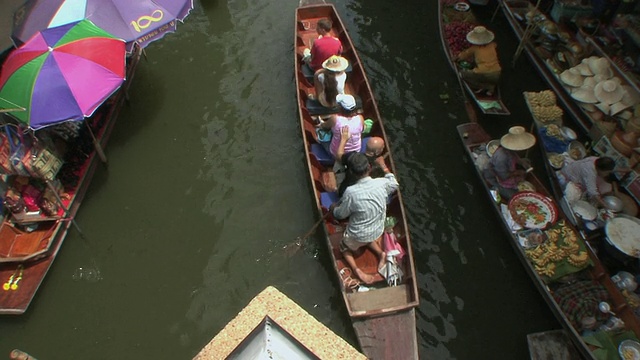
x=576 y=150
x=492 y=146
x=568 y=133
x=613 y=203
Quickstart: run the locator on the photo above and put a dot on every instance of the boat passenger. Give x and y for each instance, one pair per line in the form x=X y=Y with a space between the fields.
x=329 y=81
x=587 y=178
x=485 y=75
x=365 y=204
x=323 y=47
x=506 y=169
x=349 y=117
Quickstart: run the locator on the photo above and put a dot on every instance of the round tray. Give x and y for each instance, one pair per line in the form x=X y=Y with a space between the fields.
x=533 y=210
x=462 y=6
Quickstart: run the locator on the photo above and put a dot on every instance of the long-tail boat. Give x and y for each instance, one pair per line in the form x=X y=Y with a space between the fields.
x=383 y=317
x=21 y=279
x=456 y=20
x=576 y=273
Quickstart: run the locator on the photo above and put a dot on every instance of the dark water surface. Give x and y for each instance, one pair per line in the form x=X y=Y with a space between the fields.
x=206 y=183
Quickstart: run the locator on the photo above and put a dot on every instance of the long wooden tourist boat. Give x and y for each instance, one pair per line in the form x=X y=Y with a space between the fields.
x=21 y=280
x=455 y=23
x=548 y=65
x=384 y=317
x=474 y=138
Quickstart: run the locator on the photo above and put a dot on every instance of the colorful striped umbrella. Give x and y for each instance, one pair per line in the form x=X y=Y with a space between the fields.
x=62 y=73
x=136 y=21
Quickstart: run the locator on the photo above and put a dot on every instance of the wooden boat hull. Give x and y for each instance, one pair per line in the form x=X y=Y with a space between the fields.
x=15 y=302
x=384 y=317
x=472 y=135
x=447 y=14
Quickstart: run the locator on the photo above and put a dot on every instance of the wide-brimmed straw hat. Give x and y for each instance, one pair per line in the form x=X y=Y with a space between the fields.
x=590 y=81
x=336 y=63
x=572 y=77
x=608 y=91
x=517 y=139
x=584 y=94
x=600 y=66
x=616 y=108
x=583 y=69
x=631 y=97
x=480 y=36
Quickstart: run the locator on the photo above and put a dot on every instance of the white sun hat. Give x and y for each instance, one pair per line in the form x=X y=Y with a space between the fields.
x=572 y=77
x=517 y=139
x=608 y=91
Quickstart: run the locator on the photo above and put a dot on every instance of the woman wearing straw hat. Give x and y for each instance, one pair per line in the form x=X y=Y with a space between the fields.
x=483 y=52
x=329 y=81
x=503 y=172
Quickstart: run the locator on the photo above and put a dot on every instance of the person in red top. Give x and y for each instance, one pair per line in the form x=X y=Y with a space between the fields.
x=324 y=46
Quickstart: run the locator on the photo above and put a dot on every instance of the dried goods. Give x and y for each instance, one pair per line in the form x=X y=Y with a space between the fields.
x=542 y=98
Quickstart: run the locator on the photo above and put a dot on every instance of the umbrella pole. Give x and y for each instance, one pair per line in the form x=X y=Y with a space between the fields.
x=66 y=211
x=97 y=145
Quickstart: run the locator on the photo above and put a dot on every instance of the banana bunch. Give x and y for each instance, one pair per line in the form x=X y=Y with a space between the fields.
x=542 y=98
x=547 y=114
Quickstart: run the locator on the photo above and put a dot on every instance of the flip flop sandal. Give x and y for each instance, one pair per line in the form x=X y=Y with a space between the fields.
x=347 y=280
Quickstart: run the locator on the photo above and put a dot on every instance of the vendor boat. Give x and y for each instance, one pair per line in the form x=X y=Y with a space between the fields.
x=553 y=54
x=573 y=281
x=456 y=20
x=383 y=316
x=29 y=243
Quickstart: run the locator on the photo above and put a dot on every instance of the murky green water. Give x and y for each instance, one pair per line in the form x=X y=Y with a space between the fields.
x=206 y=183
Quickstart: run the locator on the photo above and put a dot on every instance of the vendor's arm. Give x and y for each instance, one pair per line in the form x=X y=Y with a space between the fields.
x=465 y=54
x=591 y=186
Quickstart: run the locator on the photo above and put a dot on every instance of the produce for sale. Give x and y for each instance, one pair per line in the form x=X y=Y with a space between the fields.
x=456 y=34
x=547 y=114
x=542 y=98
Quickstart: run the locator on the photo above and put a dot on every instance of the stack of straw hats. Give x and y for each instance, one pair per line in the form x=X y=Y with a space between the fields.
x=592 y=83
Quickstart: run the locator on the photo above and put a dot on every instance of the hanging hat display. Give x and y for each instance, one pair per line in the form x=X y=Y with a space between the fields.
x=517 y=139
x=608 y=91
x=480 y=36
x=584 y=94
x=572 y=77
x=589 y=81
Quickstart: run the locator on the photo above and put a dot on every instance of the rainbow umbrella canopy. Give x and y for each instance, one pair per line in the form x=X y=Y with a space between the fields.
x=136 y=21
x=62 y=73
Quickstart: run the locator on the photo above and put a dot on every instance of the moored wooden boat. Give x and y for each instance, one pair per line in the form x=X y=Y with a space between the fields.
x=474 y=138
x=455 y=23
x=384 y=316
x=21 y=280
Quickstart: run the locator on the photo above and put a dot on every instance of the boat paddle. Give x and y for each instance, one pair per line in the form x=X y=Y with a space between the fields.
x=292 y=248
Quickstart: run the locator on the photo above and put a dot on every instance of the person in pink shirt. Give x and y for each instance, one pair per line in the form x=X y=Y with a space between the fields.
x=339 y=123
x=324 y=46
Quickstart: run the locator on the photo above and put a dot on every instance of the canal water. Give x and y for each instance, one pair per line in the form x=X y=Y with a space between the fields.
x=206 y=183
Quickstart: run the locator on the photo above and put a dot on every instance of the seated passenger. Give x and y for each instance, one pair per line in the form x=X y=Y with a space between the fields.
x=323 y=47
x=365 y=205
x=503 y=172
x=347 y=117
x=329 y=81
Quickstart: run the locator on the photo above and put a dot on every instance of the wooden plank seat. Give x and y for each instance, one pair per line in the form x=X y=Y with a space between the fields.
x=315 y=108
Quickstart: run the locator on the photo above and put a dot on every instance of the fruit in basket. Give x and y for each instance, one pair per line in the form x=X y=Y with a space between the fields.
x=547 y=114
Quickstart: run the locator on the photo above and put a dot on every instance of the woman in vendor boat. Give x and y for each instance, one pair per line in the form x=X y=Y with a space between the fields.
x=485 y=75
x=587 y=178
x=506 y=169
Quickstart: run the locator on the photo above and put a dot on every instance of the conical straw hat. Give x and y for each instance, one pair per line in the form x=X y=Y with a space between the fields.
x=584 y=94
x=517 y=139
x=572 y=77
x=480 y=36
x=608 y=91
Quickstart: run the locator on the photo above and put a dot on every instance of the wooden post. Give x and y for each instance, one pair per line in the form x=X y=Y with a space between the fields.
x=525 y=36
x=66 y=211
x=97 y=145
